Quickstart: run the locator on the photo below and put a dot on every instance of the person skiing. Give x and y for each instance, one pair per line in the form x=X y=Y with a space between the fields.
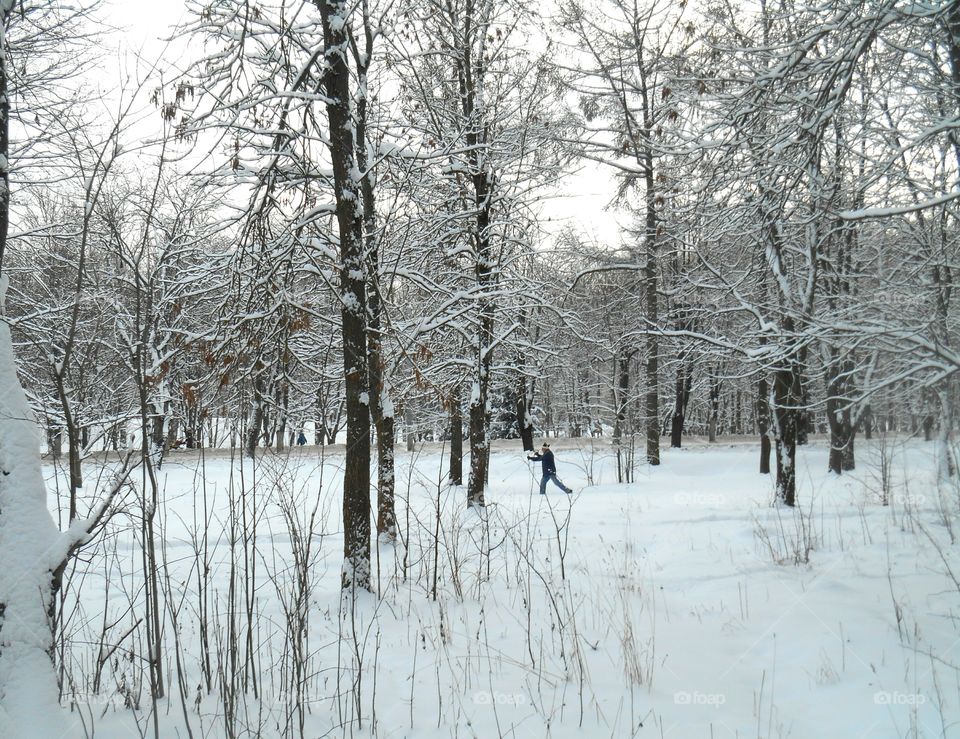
x=545 y=456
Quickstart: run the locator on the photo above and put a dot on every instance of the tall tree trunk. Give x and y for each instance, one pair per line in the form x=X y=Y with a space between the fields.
x=787 y=394
x=334 y=15
x=653 y=345
x=524 y=418
x=320 y=418
x=173 y=430
x=283 y=405
x=478 y=437
x=256 y=420
x=381 y=404
x=410 y=436
x=953 y=44
x=74 y=446
x=621 y=390
x=470 y=80
x=386 y=483
x=29 y=545
x=763 y=423
x=681 y=398
x=946 y=464
x=55 y=441
x=714 y=407
x=805 y=420
x=456 y=439
x=839 y=418
x=479 y=416
x=738 y=413
x=27 y=532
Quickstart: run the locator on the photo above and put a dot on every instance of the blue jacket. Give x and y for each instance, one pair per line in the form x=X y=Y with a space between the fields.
x=549 y=466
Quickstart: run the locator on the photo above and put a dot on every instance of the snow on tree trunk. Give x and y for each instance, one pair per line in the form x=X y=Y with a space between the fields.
x=31 y=548
x=946 y=465
x=353 y=283
x=839 y=418
x=786 y=417
x=621 y=389
x=714 y=406
x=652 y=400
x=524 y=420
x=479 y=443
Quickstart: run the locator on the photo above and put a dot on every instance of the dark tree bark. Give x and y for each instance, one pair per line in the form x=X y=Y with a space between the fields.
x=839 y=418
x=470 y=81
x=173 y=430
x=653 y=345
x=682 y=389
x=55 y=441
x=524 y=419
x=867 y=420
x=928 y=419
x=283 y=400
x=320 y=418
x=479 y=422
x=787 y=394
x=456 y=439
x=621 y=390
x=74 y=446
x=804 y=415
x=714 y=407
x=255 y=426
x=380 y=404
x=356 y=479
x=763 y=423
x=737 y=413
x=411 y=437
x=684 y=380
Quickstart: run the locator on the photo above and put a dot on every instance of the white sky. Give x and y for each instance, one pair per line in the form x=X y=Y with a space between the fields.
x=144 y=20
x=142 y=27
x=581 y=200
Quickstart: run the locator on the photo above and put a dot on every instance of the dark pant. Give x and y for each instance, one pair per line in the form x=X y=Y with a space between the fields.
x=556 y=481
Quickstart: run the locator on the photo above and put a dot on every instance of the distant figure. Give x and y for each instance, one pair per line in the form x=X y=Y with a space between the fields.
x=301 y=439
x=549 y=470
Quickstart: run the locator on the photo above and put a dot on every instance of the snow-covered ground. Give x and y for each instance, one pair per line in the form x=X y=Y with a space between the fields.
x=680 y=605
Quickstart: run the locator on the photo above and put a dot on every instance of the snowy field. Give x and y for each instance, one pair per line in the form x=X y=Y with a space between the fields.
x=680 y=605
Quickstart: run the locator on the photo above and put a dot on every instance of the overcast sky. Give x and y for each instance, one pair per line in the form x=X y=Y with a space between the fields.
x=146 y=23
